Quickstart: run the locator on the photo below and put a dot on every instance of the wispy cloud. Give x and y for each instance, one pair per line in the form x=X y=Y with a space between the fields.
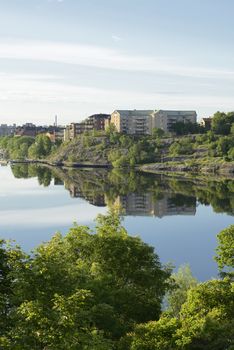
x=41 y=88
x=116 y=38
x=101 y=57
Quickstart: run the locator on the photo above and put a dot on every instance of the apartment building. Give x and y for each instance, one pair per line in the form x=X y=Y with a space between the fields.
x=143 y=122
x=7 y=130
x=93 y=122
x=133 y=122
x=165 y=119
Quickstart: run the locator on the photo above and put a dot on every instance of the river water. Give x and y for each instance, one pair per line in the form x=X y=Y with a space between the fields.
x=179 y=218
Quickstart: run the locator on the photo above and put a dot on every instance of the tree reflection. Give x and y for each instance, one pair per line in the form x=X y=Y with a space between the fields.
x=136 y=193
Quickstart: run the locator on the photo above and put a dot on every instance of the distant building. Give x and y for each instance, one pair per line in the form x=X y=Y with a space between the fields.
x=143 y=122
x=27 y=129
x=7 y=130
x=97 y=199
x=206 y=123
x=165 y=119
x=133 y=122
x=93 y=122
x=55 y=133
x=71 y=131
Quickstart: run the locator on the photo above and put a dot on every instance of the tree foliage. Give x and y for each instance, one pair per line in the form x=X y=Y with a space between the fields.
x=185 y=128
x=183 y=280
x=23 y=147
x=222 y=123
x=81 y=291
x=200 y=316
x=183 y=146
x=225 y=250
x=205 y=322
x=40 y=148
x=16 y=147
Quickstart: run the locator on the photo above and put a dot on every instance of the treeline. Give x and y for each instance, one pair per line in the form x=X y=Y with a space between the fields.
x=26 y=147
x=218 y=138
x=216 y=145
x=123 y=150
x=221 y=124
x=132 y=150
x=104 y=291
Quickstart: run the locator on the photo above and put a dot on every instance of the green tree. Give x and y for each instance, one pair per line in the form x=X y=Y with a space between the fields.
x=222 y=123
x=82 y=291
x=158 y=132
x=154 y=335
x=204 y=322
x=183 y=146
x=225 y=250
x=17 y=147
x=185 y=128
x=41 y=148
x=183 y=280
x=207 y=317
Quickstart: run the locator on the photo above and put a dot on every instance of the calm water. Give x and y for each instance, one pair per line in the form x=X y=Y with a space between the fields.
x=179 y=218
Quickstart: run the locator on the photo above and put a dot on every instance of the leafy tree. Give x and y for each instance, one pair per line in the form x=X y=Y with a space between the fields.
x=183 y=281
x=41 y=148
x=17 y=147
x=232 y=129
x=225 y=249
x=204 y=322
x=82 y=291
x=185 y=128
x=112 y=134
x=222 y=123
x=154 y=335
x=158 y=132
x=183 y=146
x=207 y=317
x=224 y=144
x=231 y=153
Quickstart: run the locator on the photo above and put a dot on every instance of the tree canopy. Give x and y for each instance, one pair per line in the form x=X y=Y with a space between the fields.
x=85 y=290
x=222 y=123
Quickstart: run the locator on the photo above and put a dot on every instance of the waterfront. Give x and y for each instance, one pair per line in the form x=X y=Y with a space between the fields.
x=179 y=218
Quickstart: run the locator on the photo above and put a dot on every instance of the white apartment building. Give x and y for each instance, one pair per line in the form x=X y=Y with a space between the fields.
x=143 y=122
x=165 y=119
x=133 y=122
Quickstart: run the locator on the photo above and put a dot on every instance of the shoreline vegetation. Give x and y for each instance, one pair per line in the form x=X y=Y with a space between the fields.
x=102 y=289
x=107 y=187
x=182 y=151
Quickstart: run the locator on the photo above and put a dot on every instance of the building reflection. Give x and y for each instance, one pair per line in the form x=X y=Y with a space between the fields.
x=58 y=182
x=145 y=204
x=139 y=204
x=93 y=198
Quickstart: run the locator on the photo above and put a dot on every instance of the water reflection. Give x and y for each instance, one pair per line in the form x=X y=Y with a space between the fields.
x=138 y=194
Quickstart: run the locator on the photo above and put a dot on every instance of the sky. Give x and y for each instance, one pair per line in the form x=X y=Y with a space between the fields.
x=73 y=58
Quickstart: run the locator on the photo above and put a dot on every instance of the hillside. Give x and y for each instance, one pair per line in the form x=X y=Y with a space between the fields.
x=191 y=153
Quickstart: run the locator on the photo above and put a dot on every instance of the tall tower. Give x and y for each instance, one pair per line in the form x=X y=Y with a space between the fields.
x=56 y=121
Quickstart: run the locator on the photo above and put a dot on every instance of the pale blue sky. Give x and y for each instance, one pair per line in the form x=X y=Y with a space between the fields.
x=77 y=57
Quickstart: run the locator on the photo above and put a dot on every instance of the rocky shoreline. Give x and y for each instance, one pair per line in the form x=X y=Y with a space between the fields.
x=204 y=169
x=224 y=169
